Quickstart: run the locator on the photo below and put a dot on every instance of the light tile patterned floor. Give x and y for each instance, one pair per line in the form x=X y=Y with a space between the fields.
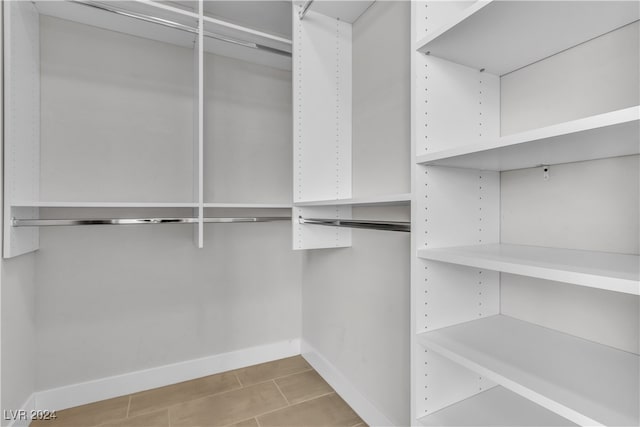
x=286 y=392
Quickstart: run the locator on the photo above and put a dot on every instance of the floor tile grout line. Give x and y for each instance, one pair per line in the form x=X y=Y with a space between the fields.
x=315 y=397
x=281 y=393
x=257 y=422
x=280 y=377
x=169 y=417
x=128 y=407
x=238 y=378
x=295 y=404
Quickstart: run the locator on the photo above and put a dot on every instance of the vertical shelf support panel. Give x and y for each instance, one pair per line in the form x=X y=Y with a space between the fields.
x=321 y=123
x=198 y=115
x=21 y=123
x=453 y=105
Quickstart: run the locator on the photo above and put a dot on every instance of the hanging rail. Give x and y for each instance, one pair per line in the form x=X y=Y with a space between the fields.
x=304 y=9
x=179 y=26
x=136 y=221
x=402 y=226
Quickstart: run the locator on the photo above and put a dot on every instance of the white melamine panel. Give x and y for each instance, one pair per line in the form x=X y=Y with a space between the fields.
x=440 y=382
x=390 y=199
x=455 y=105
x=309 y=236
x=247 y=130
x=272 y=17
x=21 y=122
x=588 y=205
x=321 y=108
x=571 y=85
x=457 y=206
x=452 y=294
x=495 y=407
x=586 y=382
x=605 y=135
x=616 y=272
x=609 y=318
x=117 y=117
x=381 y=102
x=96 y=17
x=515 y=39
x=432 y=16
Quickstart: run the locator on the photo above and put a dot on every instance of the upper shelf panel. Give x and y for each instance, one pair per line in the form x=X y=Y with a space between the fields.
x=602 y=136
x=125 y=17
x=385 y=200
x=523 y=32
x=344 y=10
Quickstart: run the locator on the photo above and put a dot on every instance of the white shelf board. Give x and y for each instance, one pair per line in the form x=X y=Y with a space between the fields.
x=516 y=39
x=249 y=205
x=106 y=204
x=347 y=11
x=496 y=406
x=111 y=21
x=245 y=52
x=585 y=382
x=612 y=134
x=391 y=199
x=602 y=270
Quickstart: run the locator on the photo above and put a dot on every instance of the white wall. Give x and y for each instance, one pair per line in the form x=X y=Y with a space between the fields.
x=356 y=299
x=590 y=205
x=112 y=300
x=17 y=314
x=18 y=331
x=381 y=111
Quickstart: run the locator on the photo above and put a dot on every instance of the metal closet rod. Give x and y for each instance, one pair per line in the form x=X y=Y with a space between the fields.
x=402 y=226
x=179 y=26
x=135 y=221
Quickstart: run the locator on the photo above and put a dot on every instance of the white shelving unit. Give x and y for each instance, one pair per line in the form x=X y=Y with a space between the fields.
x=614 y=272
x=177 y=24
x=546 y=367
x=322 y=86
x=470 y=364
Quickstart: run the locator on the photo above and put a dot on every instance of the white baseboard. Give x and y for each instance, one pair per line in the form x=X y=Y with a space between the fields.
x=21 y=418
x=365 y=409
x=133 y=382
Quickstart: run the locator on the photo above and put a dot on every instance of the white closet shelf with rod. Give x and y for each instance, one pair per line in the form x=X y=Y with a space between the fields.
x=15 y=222
x=172 y=25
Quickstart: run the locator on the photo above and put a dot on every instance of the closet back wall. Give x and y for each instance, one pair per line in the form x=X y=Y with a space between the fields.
x=112 y=300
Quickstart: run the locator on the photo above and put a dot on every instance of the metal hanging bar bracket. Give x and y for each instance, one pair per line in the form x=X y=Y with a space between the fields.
x=402 y=226
x=305 y=9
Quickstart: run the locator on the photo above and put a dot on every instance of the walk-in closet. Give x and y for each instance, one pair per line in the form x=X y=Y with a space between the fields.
x=320 y=213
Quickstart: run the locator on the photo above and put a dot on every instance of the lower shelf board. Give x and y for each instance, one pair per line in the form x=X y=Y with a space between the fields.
x=585 y=382
x=496 y=406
